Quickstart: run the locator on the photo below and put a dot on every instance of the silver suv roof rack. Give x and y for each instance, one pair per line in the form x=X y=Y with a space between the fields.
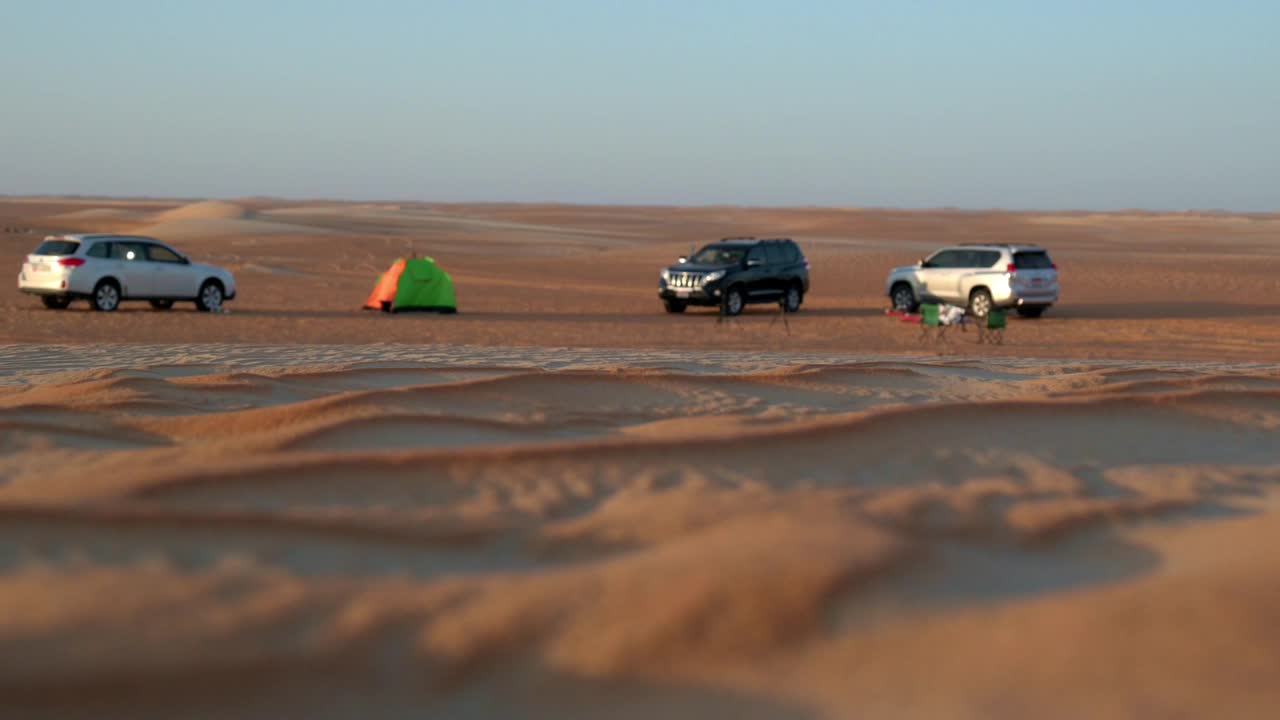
x=999 y=245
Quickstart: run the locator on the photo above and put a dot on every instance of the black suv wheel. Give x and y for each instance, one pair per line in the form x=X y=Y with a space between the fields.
x=732 y=303
x=674 y=306
x=791 y=300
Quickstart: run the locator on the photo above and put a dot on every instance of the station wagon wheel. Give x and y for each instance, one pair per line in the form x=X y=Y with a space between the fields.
x=106 y=296
x=210 y=297
x=54 y=302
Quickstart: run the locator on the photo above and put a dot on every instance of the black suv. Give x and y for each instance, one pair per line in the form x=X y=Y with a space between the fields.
x=737 y=271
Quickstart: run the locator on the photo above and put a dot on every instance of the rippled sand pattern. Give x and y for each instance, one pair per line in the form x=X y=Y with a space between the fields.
x=256 y=531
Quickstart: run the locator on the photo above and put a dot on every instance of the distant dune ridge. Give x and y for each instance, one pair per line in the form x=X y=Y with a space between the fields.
x=207 y=210
x=214 y=218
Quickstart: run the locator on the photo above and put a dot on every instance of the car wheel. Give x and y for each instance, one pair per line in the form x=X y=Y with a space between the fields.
x=903 y=297
x=791 y=301
x=674 y=306
x=210 y=297
x=106 y=296
x=161 y=304
x=980 y=302
x=1031 y=312
x=732 y=303
x=54 y=302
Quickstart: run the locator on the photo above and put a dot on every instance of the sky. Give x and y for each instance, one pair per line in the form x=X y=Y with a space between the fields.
x=1158 y=104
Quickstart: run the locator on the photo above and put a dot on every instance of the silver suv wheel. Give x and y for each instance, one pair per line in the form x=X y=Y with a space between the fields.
x=980 y=303
x=903 y=298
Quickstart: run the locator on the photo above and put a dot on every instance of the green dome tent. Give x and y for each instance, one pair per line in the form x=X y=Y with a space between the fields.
x=413 y=284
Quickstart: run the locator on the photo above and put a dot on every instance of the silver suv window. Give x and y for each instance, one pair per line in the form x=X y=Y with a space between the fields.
x=947 y=259
x=984 y=258
x=1033 y=260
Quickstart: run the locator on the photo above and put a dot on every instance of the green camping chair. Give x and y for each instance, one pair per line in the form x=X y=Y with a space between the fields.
x=931 y=327
x=991 y=328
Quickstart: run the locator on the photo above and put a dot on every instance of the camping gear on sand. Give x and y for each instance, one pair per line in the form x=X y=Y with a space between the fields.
x=991 y=328
x=935 y=319
x=415 y=284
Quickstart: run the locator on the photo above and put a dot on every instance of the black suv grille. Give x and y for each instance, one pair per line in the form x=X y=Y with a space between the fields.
x=686 y=279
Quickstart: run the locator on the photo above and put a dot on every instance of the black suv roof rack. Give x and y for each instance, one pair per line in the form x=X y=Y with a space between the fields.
x=754 y=239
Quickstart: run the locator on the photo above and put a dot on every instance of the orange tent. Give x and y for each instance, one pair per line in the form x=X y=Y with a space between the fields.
x=385 y=290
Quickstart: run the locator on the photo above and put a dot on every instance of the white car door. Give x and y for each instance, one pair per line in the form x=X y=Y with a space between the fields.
x=129 y=264
x=171 y=273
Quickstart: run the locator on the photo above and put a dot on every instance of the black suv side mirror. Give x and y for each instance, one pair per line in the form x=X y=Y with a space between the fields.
x=682 y=260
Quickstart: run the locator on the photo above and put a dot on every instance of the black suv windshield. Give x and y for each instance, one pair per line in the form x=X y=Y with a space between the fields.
x=719 y=255
x=57 y=247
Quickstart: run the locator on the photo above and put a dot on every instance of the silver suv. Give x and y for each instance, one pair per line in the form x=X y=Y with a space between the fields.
x=980 y=276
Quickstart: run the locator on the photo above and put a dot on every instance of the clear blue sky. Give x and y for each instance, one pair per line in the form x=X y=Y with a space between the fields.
x=972 y=103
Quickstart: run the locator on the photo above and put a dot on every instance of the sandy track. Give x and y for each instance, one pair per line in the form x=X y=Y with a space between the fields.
x=1172 y=286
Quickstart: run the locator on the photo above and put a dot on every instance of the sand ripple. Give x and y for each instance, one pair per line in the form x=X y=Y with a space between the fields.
x=507 y=533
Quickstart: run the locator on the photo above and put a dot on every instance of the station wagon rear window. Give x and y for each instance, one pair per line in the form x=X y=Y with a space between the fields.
x=1032 y=261
x=57 y=247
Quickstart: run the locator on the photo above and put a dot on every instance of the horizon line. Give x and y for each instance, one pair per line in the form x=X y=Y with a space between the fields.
x=653 y=205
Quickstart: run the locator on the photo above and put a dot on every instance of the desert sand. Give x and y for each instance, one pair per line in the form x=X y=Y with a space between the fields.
x=563 y=503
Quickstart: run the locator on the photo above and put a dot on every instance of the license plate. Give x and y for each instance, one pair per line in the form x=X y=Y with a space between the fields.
x=683 y=292
x=40 y=267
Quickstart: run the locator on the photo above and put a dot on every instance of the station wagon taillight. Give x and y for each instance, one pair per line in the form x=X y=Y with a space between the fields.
x=71 y=262
x=1010 y=268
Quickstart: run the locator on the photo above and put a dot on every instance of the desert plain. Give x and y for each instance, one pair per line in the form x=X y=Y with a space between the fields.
x=564 y=503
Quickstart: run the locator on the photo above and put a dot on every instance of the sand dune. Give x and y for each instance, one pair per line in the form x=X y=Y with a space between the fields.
x=799 y=539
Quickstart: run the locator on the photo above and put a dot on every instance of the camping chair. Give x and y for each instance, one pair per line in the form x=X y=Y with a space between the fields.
x=931 y=327
x=991 y=328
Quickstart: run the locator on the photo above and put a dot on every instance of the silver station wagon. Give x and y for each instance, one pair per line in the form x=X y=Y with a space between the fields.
x=109 y=269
